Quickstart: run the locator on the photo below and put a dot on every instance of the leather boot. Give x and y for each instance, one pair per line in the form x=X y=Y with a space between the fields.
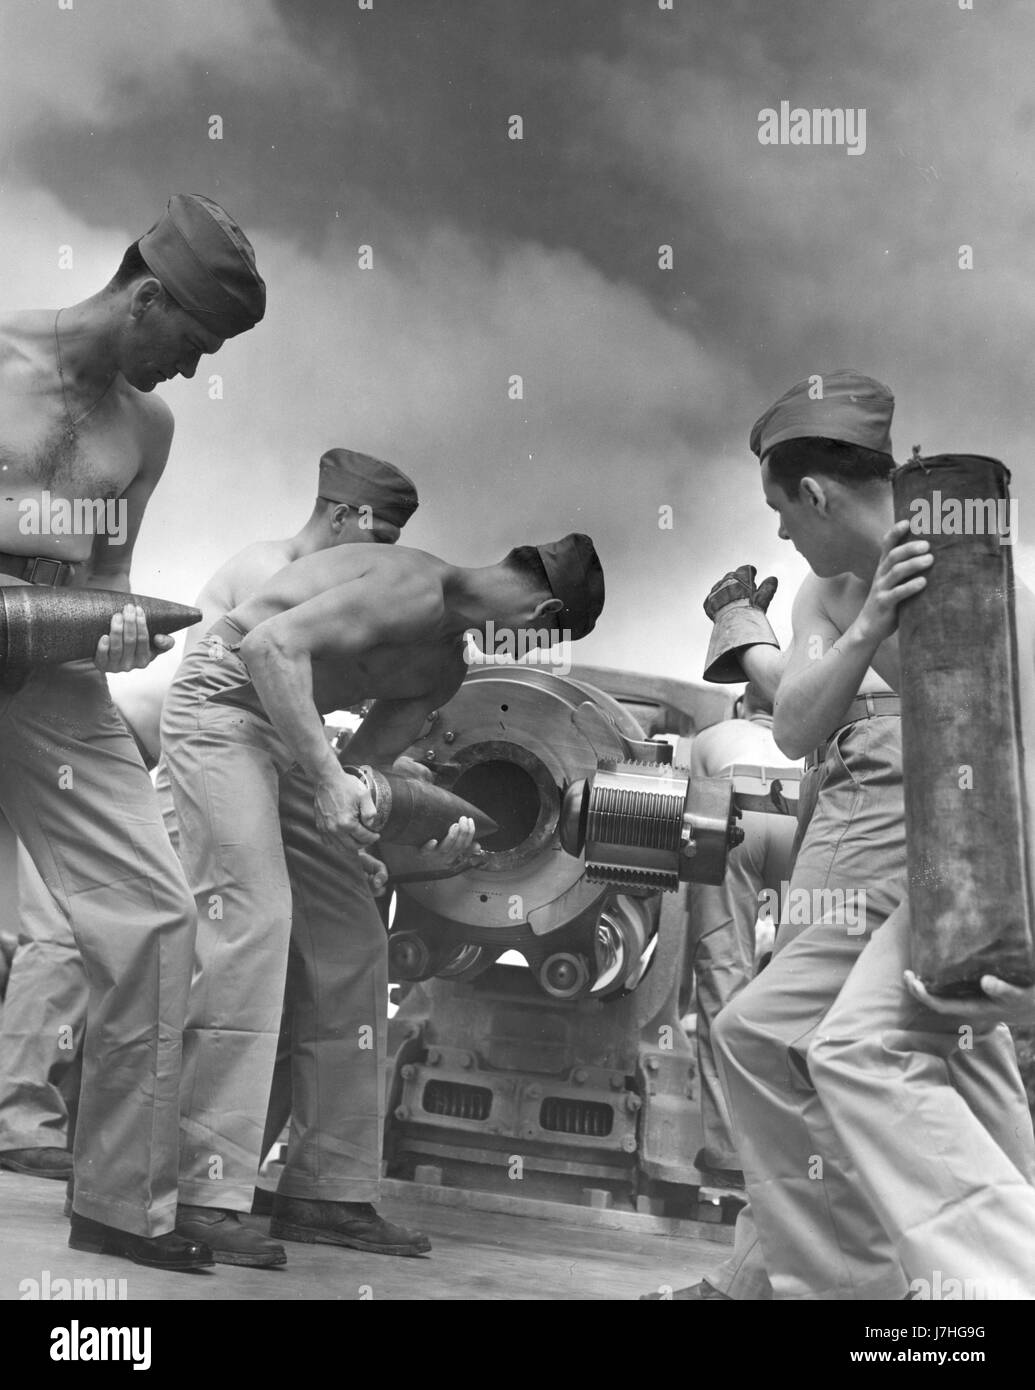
x=230 y=1242
x=355 y=1224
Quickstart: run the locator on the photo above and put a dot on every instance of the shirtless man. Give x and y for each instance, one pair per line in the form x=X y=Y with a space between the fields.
x=825 y=1054
x=270 y=829
x=841 y=821
x=81 y=428
x=360 y=500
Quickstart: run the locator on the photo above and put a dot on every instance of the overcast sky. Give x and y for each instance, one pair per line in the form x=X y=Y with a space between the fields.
x=539 y=257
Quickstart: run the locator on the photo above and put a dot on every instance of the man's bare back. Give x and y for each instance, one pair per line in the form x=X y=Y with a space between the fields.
x=236 y=580
x=357 y=622
x=373 y=620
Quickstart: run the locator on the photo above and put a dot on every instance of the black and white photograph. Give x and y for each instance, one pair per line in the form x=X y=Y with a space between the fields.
x=517 y=662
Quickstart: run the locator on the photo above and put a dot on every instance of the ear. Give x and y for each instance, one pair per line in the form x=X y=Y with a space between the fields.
x=812 y=494
x=147 y=293
x=340 y=515
x=548 y=605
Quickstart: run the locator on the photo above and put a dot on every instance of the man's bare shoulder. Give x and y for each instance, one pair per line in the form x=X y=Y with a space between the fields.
x=836 y=597
x=27 y=348
x=403 y=584
x=409 y=583
x=393 y=564
x=26 y=325
x=152 y=420
x=155 y=414
x=708 y=747
x=260 y=555
x=828 y=589
x=26 y=339
x=244 y=573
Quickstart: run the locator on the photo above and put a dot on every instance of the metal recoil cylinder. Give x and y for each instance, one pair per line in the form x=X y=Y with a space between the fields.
x=650 y=826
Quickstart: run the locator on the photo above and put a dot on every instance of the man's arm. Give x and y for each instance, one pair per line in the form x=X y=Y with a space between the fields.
x=825 y=667
x=823 y=672
x=765 y=666
x=128 y=646
x=740 y=605
x=345 y=621
x=737 y=607
x=342 y=622
x=392 y=725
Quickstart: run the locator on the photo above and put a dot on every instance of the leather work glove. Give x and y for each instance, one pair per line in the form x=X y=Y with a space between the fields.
x=737 y=585
x=737 y=606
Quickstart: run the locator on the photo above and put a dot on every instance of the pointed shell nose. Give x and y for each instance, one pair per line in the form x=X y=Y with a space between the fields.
x=45 y=626
x=411 y=811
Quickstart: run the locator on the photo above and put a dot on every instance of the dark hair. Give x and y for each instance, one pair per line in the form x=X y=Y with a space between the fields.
x=852 y=464
x=525 y=561
x=132 y=267
x=755 y=699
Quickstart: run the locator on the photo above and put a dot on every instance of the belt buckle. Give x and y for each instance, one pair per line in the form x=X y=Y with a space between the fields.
x=33 y=570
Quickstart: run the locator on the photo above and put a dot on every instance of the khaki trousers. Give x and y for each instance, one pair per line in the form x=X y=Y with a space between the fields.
x=947 y=1168
x=722 y=955
x=819 y=1231
x=43 y=1020
x=76 y=793
x=276 y=907
x=279 y=1111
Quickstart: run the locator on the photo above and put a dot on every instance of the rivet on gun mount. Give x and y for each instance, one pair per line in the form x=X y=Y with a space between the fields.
x=44 y=626
x=650 y=826
x=411 y=811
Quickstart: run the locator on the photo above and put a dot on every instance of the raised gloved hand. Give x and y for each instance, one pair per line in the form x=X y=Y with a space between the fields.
x=739 y=585
x=737 y=606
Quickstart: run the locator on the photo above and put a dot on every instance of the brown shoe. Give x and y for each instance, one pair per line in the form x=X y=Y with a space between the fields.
x=38 y=1163
x=702 y=1291
x=355 y=1224
x=230 y=1242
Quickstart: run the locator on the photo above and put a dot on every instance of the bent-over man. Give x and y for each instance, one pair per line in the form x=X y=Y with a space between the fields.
x=273 y=841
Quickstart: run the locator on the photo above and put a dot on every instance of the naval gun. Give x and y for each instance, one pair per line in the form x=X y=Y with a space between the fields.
x=576 y=1062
